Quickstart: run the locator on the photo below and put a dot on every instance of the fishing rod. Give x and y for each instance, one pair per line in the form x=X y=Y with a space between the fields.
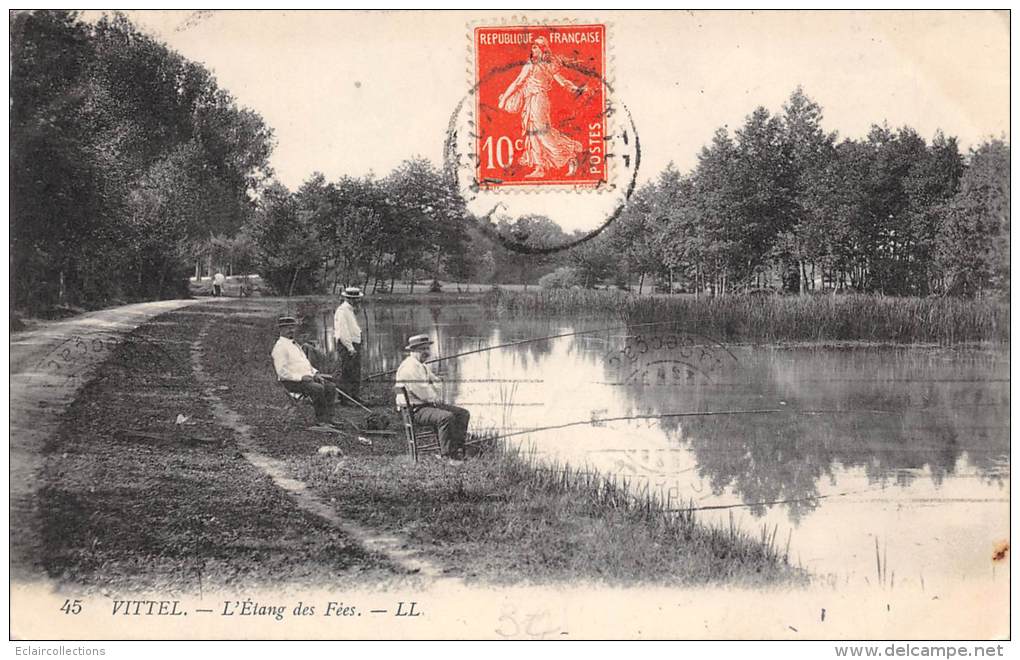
x=706 y=413
x=565 y=334
x=611 y=479
x=353 y=400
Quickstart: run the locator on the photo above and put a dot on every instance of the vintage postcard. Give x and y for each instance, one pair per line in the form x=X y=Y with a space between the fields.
x=496 y=325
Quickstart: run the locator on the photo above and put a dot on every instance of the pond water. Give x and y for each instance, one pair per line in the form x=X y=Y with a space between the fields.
x=830 y=449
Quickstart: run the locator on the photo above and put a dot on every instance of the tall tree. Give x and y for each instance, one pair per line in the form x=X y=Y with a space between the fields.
x=357 y=228
x=532 y=230
x=973 y=241
x=428 y=225
x=289 y=251
x=115 y=139
x=807 y=235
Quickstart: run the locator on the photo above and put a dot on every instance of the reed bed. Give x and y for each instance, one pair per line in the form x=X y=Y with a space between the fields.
x=813 y=318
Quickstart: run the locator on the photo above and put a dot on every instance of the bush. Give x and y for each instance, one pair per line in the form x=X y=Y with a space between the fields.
x=561 y=278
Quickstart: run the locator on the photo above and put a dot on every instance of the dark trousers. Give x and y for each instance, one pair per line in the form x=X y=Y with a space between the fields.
x=323 y=396
x=350 y=370
x=217 y=289
x=451 y=422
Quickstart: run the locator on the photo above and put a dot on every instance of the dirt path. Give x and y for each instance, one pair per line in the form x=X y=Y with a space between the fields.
x=48 y=366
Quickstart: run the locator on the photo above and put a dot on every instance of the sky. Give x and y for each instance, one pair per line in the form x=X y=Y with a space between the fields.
x=348 y=93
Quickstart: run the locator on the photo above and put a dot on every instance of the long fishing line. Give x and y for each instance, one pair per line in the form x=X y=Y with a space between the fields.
x=792 y=500
x=706 y=413
x=610 y=477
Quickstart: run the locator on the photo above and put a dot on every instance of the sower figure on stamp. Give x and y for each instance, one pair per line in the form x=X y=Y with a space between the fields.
x=422 y=386
x=297 y=374
x=545 y=147
x=347 y=334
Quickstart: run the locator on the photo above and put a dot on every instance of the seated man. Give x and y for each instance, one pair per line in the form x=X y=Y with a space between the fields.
x=451 y=422
x=298 y=375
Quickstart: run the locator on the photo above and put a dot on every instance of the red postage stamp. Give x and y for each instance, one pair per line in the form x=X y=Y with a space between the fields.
x=541 y=105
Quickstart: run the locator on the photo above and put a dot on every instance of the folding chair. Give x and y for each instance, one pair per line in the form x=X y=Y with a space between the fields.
x=296 y=400
x=297 y=404
x=419 y=439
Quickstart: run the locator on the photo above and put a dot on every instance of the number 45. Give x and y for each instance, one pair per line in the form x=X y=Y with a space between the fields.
x=71 y=607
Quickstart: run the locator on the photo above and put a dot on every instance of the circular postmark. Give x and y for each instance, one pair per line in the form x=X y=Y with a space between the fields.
x=542 y=133
x=673 y=359
x=72 y=361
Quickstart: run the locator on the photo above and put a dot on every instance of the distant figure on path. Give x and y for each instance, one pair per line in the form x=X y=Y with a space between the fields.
x=217 y=284
x=347 y=334
x=297 y=374
x=427 y=408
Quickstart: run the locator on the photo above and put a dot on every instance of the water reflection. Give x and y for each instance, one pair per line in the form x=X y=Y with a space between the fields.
x=807 y=437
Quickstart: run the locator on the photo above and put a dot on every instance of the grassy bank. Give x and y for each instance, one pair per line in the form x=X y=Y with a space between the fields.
x=780 y=318
x=502 y=518
x=496 y=518
x=136 y=501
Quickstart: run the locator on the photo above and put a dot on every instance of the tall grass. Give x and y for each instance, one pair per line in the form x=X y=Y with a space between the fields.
x=860 y=317
x=607 y=495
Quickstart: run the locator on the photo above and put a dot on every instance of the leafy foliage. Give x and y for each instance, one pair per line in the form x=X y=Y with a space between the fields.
x=124 y=156
x=561 y=278
x=129 y=164
x=328 y=235
x=973 y=244
x=781 y=203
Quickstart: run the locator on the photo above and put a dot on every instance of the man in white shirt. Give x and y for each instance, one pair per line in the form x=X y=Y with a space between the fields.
x=427 y=407
x=297 y=374
x=217 y=284
x=347 y=334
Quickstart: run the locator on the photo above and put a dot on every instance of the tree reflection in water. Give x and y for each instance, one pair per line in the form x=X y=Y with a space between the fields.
x=901 y=413
x=892 y=419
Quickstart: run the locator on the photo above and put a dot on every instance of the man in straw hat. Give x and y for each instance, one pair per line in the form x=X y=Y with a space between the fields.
x=347 y=334
x=422 y=385
x=297 y=374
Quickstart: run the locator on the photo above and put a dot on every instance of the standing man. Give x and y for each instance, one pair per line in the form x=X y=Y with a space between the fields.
x=347 y=334
x=217 y=283
x=427 y=407
x=297 y=374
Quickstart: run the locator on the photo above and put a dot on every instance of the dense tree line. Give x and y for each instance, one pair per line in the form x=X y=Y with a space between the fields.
x=130 y=167
x=364 y=231
x=782 y=203
x=779 y=204
x=126 y=159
